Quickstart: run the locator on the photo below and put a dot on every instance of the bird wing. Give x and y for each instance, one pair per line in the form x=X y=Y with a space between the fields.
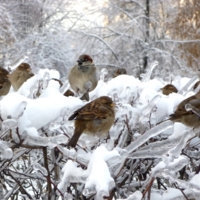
x=74 y=114
x=91 y=111
x=91 y=114
x=178 y=115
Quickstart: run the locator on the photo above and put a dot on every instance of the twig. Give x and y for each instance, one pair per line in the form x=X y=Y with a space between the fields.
x=181 y=191
x=19 y=184
x=48 y=172
x=148 y=189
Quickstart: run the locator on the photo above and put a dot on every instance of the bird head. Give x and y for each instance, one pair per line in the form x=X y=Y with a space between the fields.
x=3 y=72
x=107 y=101
x=84 y=59
x=119 y=71
x=24 y=67
x=168 y=89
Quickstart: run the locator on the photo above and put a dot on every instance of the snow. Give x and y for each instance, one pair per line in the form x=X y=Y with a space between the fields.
x=134 y=99
x=99 y=175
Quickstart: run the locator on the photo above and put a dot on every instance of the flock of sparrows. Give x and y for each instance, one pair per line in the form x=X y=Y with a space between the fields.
x=97 y=116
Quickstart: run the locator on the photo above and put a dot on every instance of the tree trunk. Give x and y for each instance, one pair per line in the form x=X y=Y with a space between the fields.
x=147 y=24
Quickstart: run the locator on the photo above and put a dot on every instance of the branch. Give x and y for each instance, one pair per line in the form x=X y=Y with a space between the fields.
x=148 y=189
x=95 y=36
x=20 y=186
x=48 y=172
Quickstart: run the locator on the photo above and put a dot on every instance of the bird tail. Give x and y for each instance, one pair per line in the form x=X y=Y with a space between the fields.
x=74 y=139
x=174 y=117
x=85 y=96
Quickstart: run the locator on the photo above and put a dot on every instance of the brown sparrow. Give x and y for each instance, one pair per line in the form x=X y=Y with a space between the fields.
x=21 y=74
x=189 y=118
x=119 y=71
x=4 y=82
x=83 y=77
x=95 y=118
x=168 y=89
x=181 y=107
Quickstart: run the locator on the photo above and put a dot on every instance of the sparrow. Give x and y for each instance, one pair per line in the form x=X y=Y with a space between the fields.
x=188 y=117
x=168 y=89
x=21 y=74
x=119 y=71
x=83 y=76
x=181 y=107
x=5 y=83
x=95 y=118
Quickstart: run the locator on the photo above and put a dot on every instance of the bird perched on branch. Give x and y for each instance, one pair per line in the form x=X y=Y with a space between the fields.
x=119 y=71
x=4 y=82
x=181 y=107
x=21 y=74
x=168 y=89
x=95 y=118
x=188 y=117
x=83 y=76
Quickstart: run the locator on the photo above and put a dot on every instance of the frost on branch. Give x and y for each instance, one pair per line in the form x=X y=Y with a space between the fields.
x=147 y=135
x=149 y=72
x=46 y=141
x=188 y=86
x=195 y=110
x=104 y=72
x=64 y=87
x=9 y=124
x=38 y=167
x=5 y=151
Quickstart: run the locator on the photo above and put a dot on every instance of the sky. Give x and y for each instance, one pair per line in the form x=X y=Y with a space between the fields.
x=139 y=101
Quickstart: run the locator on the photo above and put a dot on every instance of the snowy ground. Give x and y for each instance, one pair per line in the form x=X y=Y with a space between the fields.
x=141 y=109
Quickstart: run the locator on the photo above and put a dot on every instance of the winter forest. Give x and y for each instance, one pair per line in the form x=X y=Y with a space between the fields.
x=152 y=149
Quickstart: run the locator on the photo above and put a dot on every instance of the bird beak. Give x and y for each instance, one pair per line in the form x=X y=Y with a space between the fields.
x=80 y=62
x=112 y=105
